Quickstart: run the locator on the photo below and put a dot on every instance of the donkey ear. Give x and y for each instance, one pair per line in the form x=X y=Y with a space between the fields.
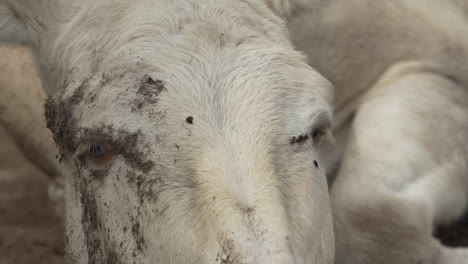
x=21 y=20
x=288 y=8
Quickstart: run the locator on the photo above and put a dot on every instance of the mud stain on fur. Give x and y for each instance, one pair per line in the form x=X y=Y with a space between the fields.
x=63 y=124
x=227 y=254
x=99 y=248
x=62 y=113
x=60 y=119
x=150 y=88
x=99 y=174
x=148 y=91
x=136 y=229
x=125 y=143
x=138 y=236
x=147 y=189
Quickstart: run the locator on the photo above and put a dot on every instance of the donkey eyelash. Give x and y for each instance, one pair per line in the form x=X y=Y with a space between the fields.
x=317 y=133
x=83 y=149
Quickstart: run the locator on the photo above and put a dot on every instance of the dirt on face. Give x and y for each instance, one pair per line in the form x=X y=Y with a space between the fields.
x=60 y=119
x=150 y=88
x=30 y=233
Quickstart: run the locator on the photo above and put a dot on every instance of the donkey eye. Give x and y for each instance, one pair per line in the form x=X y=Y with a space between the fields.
x=99 y=153
x=97 y=150
x=318 y=133
x=322 y=125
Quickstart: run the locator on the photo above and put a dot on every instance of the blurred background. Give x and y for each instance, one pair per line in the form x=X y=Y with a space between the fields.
x=30 y=229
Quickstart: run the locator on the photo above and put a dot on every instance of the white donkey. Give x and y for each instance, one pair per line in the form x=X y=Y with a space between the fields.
x=187 y=129
x=400 y=69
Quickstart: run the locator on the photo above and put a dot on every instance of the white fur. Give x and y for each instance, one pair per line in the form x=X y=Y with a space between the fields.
x=289 y=8
x=399 y=69
x=229 y=188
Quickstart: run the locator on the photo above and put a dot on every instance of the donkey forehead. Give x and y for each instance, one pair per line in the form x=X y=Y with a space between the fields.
x=227 y=51
x=229 y=74
x=213 y=72
x=109 y=28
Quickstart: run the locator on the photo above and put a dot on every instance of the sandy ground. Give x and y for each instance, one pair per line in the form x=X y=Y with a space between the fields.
x=29 y=231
